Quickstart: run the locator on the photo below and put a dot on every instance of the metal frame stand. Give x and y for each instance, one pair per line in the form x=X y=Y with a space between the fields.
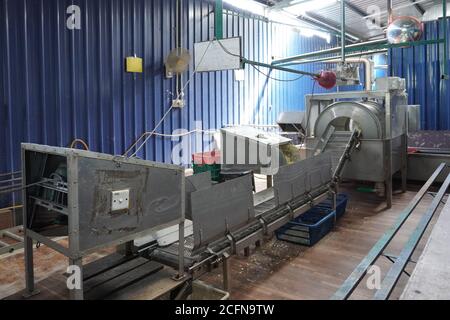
x=73 y=252
x=29 y=268
x=226 y=273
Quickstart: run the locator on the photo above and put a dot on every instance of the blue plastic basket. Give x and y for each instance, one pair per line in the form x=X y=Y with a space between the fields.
x=314 y=224
x=308 y=228
x=341 y=204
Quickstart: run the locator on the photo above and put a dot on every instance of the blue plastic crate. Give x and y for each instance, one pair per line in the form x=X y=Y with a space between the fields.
x=314 y=224
x=308 y=228
x=341 y=204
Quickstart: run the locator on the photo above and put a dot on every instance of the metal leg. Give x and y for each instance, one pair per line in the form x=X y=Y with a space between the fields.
x=334 y=200
x=247 y=251
x=29 y=268
x=404 y=170
x=226 y=274
x=269 y=182
x=334 y=204
x=404 y=181
x=388 y=172
x=389 y=193
x=181 y=273
x=77 y=293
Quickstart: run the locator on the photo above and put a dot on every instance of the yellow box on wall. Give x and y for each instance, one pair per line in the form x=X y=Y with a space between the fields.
x=134 y=64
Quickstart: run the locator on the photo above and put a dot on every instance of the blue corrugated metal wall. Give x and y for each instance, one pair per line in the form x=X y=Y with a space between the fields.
x=57 y=84
x=421 y=67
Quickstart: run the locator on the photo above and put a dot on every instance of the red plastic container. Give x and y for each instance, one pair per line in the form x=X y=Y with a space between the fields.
x=211 y=157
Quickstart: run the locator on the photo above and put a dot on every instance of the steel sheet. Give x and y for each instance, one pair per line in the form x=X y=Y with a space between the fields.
x=221 y=209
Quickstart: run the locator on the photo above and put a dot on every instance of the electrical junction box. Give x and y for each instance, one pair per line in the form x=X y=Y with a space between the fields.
x=120 y=200
x=134 y=65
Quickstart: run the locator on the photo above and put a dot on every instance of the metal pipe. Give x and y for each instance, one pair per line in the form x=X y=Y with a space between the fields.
x=343 y=30
x=396 y=45
x=328 y=51
x=10 y=187
x=321 y=24
x=2 y=210
x=13 y=236
x=10 y=180
x=352 y=55
x=265 y=65
x=389 y=11
x=10 y=173
x=365 y=46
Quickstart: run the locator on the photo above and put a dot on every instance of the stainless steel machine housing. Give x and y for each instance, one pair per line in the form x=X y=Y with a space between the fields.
x=381 y=116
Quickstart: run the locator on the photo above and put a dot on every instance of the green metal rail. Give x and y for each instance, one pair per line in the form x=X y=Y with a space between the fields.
x=358 y=274
x=392 y=277
x=281 y=68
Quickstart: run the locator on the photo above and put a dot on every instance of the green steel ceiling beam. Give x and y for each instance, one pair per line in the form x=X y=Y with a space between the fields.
x=351 y=55
x=326 y=51
x=396 y=45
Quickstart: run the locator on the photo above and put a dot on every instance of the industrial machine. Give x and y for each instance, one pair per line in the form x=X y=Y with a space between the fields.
x=228 y=218
x=380 y=117
x=97 y=201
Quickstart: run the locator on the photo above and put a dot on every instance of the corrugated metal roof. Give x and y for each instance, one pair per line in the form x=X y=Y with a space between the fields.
x=356 y=22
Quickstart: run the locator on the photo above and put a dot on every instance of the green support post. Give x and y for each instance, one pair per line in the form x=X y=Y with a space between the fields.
x=445 y=75
x=218 y=20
